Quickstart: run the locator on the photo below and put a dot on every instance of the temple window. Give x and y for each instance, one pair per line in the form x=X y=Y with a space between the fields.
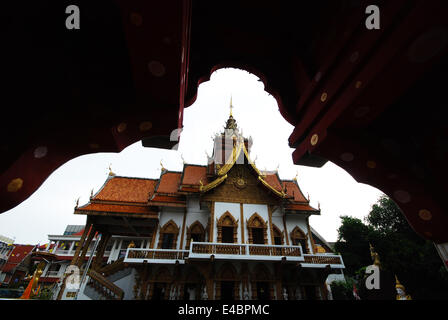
x=298 y=237
x=227 y=229
x=227 y=234
x=168 y=236
x=167 y=240
x=196 y=233
x=257 y=228
x=278 y=237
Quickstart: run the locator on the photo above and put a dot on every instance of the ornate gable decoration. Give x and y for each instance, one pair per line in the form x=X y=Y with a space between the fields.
x=237 y=179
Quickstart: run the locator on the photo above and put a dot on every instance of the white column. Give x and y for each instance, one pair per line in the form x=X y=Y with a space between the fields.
x=70 y=251
x=56 y=246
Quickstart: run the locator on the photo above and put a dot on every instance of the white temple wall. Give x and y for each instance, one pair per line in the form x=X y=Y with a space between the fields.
x=195 y=213
x=301 y=221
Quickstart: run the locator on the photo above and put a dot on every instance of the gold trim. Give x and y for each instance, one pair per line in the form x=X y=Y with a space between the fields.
x=212 y=184
x=183 y=230
x=286 y=230
x=212 y=222
x=242 y=223
x=236 y=151
x=270 y=224
x=280 y=194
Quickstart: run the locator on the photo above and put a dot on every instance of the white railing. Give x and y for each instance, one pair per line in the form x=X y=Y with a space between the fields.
x=334 y=260
x=64 y=252
x=207 y=250
x=155 y=255
x=245 y=251
x=72 y=252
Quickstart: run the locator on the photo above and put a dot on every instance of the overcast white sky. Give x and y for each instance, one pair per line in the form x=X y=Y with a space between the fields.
x=50 y=208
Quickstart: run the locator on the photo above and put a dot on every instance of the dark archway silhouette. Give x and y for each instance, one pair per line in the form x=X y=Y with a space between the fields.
x=370 y=107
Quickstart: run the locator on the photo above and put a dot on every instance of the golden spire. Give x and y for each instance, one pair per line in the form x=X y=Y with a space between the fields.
x=231 y=123
x=161 y=164
x=231 y=106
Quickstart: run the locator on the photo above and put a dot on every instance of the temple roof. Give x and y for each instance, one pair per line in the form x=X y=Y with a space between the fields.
x=118 y=209
x=140 y=197
x=168 y=183
x=293 y=190
x=126 y=189
x=18 y=254
x=194 y=174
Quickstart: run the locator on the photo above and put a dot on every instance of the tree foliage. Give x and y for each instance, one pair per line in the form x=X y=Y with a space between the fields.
x=414 y=260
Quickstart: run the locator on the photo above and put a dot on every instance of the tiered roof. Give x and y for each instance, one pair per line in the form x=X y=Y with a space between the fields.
x=138 y=197
x=121 y=196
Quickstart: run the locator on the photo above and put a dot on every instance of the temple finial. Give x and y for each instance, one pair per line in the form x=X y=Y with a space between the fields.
x=231 y=106
x=163 y=168
x=231 y=122
x=110 y=170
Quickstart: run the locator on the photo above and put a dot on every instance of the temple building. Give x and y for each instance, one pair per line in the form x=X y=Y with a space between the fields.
x=225 y=230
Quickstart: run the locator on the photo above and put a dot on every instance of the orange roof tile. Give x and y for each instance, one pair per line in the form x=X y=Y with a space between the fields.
x=126 y=189
x=169 y=182
x=114 y=208
x=293 y=190
x=299 y=207
x=273 y=181
x=192 y=174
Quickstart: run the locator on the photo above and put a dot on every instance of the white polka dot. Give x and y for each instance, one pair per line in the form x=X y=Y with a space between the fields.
x=156 y=68
x=40 y=152
x=354 y=57
x=361 y=112
x=347 y=157
x=428 y=45
x=402 y=196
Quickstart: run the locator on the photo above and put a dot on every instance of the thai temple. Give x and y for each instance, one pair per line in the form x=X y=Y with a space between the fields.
x=225 y=230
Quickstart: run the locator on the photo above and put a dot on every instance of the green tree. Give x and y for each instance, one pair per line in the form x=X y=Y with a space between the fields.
x=353 y=244
x=413 y=259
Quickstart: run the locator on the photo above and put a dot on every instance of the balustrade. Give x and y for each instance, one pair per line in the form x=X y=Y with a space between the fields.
x=201 y=250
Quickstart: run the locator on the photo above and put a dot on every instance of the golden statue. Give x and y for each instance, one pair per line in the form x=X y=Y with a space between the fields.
x=375 y=257
x=401 y=291
x=33 y=287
